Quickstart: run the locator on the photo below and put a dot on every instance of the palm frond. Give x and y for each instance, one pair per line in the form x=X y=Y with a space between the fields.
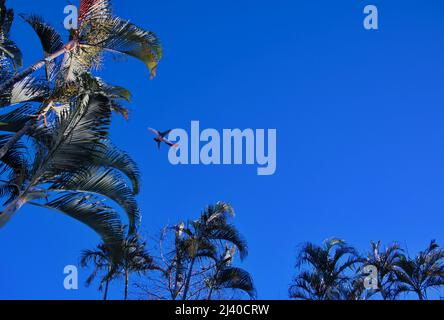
x=89 y=210
x=109 y=156
x=229 y=233
x=8 y=48
x=15 y=161
x=16 y=119
x=235 y=278
x=27 y=90
x=74 y=139
x=106 y=182
x=119 y=36
x=50 y=40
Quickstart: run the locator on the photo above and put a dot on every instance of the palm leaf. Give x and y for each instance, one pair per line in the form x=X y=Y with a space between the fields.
x=105 y=182
x=92 y=212
x=235 y=278
x=8 y=48
x=123 y=37
x=16 y=119
x=27 y=90
x=50 y=40
x=109 y=156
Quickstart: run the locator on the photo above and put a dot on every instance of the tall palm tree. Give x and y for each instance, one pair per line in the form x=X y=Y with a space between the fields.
x=196 y=259
x=102 y=260
x=70 y=165
x=326 y=270
x=203 y=236
x=73 y=167
x=134 y=258
x=98 y=31
x=421 y=273
x=385 y=261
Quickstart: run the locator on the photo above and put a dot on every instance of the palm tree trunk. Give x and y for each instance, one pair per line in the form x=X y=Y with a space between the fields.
x=210 y=293
x=188 y=279
x=420 y=295
x=10 y=210
x=36 y=66
x=126 y=284
x=105 y=295
x=178 y=260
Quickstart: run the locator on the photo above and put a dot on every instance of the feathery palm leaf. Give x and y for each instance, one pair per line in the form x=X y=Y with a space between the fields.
x=234 y=278
x=8 y=49
x=326 y=272
x=421 y=273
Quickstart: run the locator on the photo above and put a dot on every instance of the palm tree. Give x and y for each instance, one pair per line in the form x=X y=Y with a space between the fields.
x=421 y=273
x=102 y=261
x=74 y=165
x=98 y=31
x=326 y=272
x=134 y=258
x=385 y=262
x=203 y=236
x=69 y=164
x=196 y=259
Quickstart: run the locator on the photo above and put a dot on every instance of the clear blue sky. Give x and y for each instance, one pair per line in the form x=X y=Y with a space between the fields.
x=358 y=115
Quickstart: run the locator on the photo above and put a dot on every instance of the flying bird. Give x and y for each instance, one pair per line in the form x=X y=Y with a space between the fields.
x=160 y=137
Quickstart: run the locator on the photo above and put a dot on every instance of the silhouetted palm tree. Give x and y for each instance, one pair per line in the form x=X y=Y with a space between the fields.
x=421 y=273
x=385 y=262
x=74 y=166
x=98 y=31
x=203 y=235
x=134 y=258
x=325 y=274
x=70 y=165
x=102 y=261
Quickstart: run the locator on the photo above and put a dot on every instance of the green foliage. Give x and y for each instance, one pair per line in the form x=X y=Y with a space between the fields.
x=133 y=258
x=55 y=150
x=195 y=260
x=8 y=49
x=335 y=271
x=326 y=272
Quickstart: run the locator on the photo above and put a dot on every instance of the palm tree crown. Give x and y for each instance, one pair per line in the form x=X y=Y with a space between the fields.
x=68 y=162
x=421 y=273
x=326 y=269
